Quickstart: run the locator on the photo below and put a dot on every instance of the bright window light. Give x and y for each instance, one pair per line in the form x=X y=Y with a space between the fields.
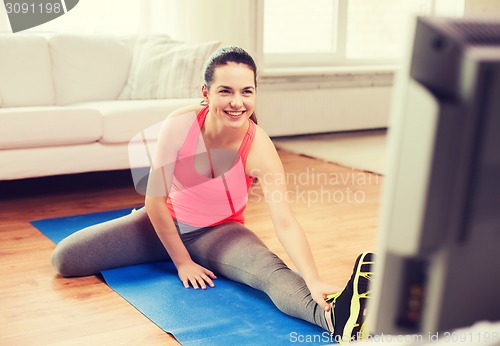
x=376 y=29
x=337 y=32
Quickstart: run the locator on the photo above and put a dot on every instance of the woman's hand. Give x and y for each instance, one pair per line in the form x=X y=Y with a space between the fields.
x=319 y=291
x=196 y=275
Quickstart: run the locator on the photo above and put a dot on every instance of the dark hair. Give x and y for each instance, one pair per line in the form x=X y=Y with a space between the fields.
x=224 y=55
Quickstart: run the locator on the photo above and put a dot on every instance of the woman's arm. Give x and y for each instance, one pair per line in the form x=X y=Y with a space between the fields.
x=189 y=272
x=165 y=228
x=170 y=139
x=266 y=165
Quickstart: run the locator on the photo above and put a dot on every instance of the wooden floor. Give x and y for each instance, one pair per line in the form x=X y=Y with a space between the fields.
x=338 y=208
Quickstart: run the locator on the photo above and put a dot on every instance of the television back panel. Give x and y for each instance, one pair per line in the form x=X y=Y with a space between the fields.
x=438 y=265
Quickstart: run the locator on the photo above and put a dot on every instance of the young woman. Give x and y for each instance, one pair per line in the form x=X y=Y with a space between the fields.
x=206 y=160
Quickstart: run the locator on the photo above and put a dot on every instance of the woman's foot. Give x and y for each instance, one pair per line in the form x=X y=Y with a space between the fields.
x=348 y=313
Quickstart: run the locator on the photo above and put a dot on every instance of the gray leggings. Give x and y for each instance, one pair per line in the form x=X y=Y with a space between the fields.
x=230 y=250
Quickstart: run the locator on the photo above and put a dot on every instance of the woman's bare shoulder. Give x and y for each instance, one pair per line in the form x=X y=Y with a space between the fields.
x=262 y=141
x=185 y=110
x=177 y=124
x=263 y=155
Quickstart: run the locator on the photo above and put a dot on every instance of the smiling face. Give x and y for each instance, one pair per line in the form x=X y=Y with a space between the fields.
x=231 y=95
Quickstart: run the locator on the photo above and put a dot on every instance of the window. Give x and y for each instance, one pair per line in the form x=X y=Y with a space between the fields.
x=337 y=32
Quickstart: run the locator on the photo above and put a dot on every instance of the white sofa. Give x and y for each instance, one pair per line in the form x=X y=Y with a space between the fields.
x=70 y=104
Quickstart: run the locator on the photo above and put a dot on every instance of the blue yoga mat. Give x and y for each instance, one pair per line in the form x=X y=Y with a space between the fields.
x=229 y=314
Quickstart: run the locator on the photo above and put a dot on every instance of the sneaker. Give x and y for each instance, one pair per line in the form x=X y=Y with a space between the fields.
x=347 y=316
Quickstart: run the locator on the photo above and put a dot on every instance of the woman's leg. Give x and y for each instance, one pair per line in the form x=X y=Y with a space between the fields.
x=237 y=253
x=128 y=240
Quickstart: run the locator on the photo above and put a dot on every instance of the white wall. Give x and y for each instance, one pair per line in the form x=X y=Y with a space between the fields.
x=307 y=111
x=335 y=101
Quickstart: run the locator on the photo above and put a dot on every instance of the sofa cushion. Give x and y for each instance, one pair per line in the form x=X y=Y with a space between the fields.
x=162 y=68
x=122 y=120
x=26 y=127
x=89 y=68
x=25 y=73
x=68 y=159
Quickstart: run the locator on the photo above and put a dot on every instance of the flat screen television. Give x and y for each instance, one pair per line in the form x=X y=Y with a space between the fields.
x=438 y=264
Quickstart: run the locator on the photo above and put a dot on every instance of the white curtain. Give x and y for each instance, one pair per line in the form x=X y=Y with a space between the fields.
x=124 y=17
x=230 y=21
x=4 y=20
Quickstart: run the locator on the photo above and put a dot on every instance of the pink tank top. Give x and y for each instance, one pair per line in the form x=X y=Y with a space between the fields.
x=197 y=200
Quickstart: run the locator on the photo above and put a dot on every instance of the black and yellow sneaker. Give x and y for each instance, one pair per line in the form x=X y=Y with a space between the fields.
x=347 y=316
